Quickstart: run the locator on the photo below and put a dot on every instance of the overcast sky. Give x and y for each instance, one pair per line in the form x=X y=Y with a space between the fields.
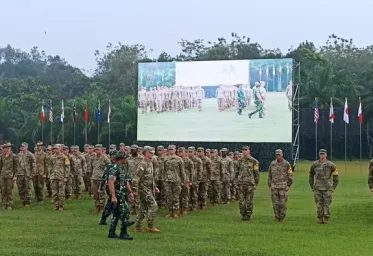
x=76 y=28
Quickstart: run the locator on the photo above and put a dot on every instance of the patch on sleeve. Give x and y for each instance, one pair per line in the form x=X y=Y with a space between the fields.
x=67 y=161
x=256 y=166
x=290 y=170
x=335 y=172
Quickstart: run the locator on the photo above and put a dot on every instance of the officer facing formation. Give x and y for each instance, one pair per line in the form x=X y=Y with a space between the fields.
x=323 y=180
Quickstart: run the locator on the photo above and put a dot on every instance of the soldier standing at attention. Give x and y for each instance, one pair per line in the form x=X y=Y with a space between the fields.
x=59 y=173
x=133 y=162
x=175 y=178
x=47 y=166
x=143 y=187
x=234 y=190
x=216 y=177
x=203 y=178
x=112 y=147
x=247 y=181
x=98 y=164
x=370 y=177
x=41 y=170
x=118 y=183
x=122 y=146
x=197 y=168
x=25 y=173
x=78 y=167
x=85 y=153
x=159 y=179
x=280 y=178
x=68 y=187
x=88 y=157
x=323 y=181
x=189 y=177
x=8 y=169
x=228 y=176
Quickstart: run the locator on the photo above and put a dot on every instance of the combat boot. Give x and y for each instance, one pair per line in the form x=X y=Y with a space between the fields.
x=113 y=227
x=153 y=230
x=326 y=220
x=184 y=212
x=321 y=220
x=60 y=209
x=170 y=214
x=103 y=220
x=123 y=233
x=130 y=223
x=27 y=206
x=175 y=214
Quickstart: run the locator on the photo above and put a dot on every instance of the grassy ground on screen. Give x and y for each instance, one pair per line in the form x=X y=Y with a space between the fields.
x=212 y=125
x=217 y=231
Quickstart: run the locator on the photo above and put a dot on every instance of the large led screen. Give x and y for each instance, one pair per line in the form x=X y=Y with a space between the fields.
x=216 y=101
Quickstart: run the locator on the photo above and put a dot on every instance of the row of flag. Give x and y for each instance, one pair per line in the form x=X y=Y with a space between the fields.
x=346 y=117
x=274 y=70
x=74 y=118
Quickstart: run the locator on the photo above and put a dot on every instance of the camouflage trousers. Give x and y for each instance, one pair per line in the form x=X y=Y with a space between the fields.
x=6 y=185
x=233 y=191
x=161 y=196
x=279 y=199
x=88 y=181
x=323 y=199
x=148 y=206
x=120 y=209
x=173 y=195
x=58 y=192
x=193 y=196
x=202 y=194
x=38 y=182
x=225 y=191
x=108 y=209
x=184 y=198
x=68 y=188
x=246 y=198
x=76 y=183
x=24 y=189
x=99 y=197
x=215 y=191
x=48 y=185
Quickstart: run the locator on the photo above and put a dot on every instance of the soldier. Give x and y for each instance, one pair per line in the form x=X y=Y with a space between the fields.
x=59 y=173
x=119 y=188
x=174 y=178
x=189 y=177
x=8 y=169
x=127 y=150
x=323 y=181
x=112 y=147
x=26 y=170
x=197 y=169
x=280 y=178
x=234 y=190
x=247 y=180
x=143 y=187
x=47 y=166
x=85 y=153
x=133 y=162
x=159 y=178
x=203 y=178
x=78 y=168
x=289 y=94
x=370 y=176
x=122 y=147
x=258 y=102
x=228 y=176
x=216 y=177
x=88 y=176
x=41 y=170
x=68 y=187
x=108 y=209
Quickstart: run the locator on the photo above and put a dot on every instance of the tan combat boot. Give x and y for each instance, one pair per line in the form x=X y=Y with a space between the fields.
x=60 y=209
x=170 y=214
x=321 y=220
x=27 y=206
x=326 y=220
x=153 y=230
x=176 y=214
x=184 y=212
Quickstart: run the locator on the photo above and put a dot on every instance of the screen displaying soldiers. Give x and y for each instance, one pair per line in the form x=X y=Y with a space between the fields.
x=225 y=101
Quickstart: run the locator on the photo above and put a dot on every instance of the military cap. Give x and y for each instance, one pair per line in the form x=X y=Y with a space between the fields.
x=90 y=146
x=245 y=147
x=24 y=144
x=57 y=146
x=200 y=149
x=191 y=148
x=121 y=144
x=140 y=148
x=171 y=147
x=98 y=146
x=153 y=150
x=160 y=147
x=224 y=150
x=39 y=143
x=65 y=147
x=127 y=147
x=120 y=155
x=49 y=147
x=86 y=145
x=113 y=146
x=113 y=152
x=322 y=151
x=230 y=152
x=181 y=149
x=148 y=149
x=236 y=152
x=278 y=151
x=7 y=145
x=208 y=150
x=134 y=147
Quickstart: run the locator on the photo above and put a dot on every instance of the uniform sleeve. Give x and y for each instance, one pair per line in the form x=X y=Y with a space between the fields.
x=182 y=171
x=192 y=172
x=84 y=165
x=49 y=165
x=269 y=182
x=15 y=165
x=311 y=178
x=199 y=170
x=111 y=173
x=67 y=167
x=231 y=170
x=238 y=167
x=256 y=172
x=221 y=170
x=370 y=177
x=104 y=177
x=290 y=175
x=335 y=176
x=208 y=167
x=45 y=164
x=137 y=177
x=33 y=165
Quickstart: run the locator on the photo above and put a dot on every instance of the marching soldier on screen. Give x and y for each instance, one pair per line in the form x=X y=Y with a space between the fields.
x=280 y=178
x=323 y=181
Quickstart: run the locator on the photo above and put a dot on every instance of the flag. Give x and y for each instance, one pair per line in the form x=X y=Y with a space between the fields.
x=99 y=113
x=267 y=71
x=360 y=113
x=74 y=113
x=62 y=112
x=274 y=70
x=50 y=112
x=345 y=113
x=42 y=114
x=316 y=113
x=331 y=112
x=109 y=113
x=86 y=113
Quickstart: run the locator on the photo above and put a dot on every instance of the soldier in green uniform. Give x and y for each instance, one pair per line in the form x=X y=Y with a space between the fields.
x=108 y=209
x=323 y=180
x=258 y=102
x=119 y=188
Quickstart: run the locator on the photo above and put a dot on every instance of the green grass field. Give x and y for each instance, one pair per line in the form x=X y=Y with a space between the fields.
x=212 y=125
x=217 y=231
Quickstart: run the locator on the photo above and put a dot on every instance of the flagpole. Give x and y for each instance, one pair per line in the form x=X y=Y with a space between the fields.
x=331 y=129
x=98 y=125
x=360 y=122
x=86 y=121
x=316 y=132
x=109 y=121
x=42 y=123
x=346 y=106
x=51 y=110
x=74 y=133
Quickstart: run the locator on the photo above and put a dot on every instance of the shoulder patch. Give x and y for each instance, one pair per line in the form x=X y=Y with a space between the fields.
x=67 y=161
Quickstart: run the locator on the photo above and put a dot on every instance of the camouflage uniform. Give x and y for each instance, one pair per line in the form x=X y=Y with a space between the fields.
x=234 y=190
x=133 y=163
x=143 y=185
x=197 y=168
x=175 y=178
x=280 y=178
x=159 y=179
x=203 y=177
x=26 y=170
x=47 y=166
x=8 y=169
x=88 y=174
x=216 y=177
x=40 y=175
x=97 y=167
x=78 y=167
x=370 y=176
x=59 y=173
x=189 y=177
x=323 y=180
x=247 y=180
x=228 y=177
x=68 y=187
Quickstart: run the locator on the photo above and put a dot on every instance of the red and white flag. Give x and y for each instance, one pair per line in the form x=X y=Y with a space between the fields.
x=42 y=114
x=360 y=112
x=331 y=112
x=346 y=113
